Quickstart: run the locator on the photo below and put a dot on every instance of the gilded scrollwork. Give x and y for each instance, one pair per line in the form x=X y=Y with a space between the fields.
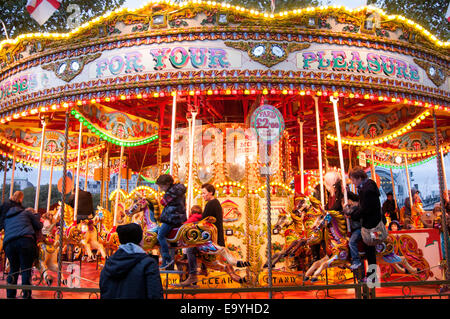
x=68 y=69
x=267 y=53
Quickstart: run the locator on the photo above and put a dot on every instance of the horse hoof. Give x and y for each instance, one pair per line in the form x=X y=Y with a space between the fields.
x=306 y=278
x=314 y=279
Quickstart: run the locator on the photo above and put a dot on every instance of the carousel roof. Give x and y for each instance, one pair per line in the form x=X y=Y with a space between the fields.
x=388 y=72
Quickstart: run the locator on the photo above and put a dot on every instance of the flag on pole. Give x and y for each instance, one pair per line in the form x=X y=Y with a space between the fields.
x=447 y=15
x=42 y=10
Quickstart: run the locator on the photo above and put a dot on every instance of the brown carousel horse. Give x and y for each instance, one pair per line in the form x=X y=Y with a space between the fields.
x=301 y=221
x=202 y=235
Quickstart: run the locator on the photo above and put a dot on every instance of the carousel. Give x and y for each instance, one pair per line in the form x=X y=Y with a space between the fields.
x=184 y=89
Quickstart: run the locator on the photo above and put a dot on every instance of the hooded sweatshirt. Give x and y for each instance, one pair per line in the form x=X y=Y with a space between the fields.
x=130 y=274
x=20 y=222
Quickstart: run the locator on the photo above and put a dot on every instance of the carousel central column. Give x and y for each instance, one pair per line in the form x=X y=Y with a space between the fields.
x=41 y=155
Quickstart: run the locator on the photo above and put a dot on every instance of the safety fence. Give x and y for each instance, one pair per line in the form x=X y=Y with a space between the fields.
x=360 y=291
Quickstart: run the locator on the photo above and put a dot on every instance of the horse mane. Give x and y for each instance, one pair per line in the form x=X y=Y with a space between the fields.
x=340 y=219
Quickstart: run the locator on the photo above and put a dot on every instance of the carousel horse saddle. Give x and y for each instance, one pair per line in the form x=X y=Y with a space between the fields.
x=172 y=235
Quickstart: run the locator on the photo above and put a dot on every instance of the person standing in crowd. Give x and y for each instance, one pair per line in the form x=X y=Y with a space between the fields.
x=173 y=214
x=15 y=200
x=130 y=273
x=389 y=208
x=214 y=209
x=21 y=230
x=369 y=209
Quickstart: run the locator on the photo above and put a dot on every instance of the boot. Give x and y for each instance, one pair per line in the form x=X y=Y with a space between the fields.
x=191 y=280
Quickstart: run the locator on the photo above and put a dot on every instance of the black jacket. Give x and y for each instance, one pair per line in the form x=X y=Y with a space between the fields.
x=85 y=203
x=174 y=202
x=20 y=222
x=214 y=209
x=4 y=209
x=389 y=208
x=130 y=276
x=369 y=210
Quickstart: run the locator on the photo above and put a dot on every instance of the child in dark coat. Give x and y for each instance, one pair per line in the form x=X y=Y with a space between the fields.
x=130 y=273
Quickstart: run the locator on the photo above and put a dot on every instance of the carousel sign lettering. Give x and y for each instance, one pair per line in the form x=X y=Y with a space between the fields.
x=23 y=83
x=160 y=59
x=357 y=61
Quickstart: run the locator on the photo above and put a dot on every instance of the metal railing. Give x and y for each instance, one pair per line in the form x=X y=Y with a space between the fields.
x=361 y=290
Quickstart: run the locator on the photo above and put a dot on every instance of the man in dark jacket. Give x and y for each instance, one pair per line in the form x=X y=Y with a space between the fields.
x=173 y=214
x=21 y=226
x=369 y=211
x=85 y=204
x=130 y=273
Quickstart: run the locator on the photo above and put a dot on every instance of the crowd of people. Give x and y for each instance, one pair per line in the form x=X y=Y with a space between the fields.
x=132 y=273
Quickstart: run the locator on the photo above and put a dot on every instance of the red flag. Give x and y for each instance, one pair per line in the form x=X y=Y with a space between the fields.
x=447 y=15
x=42 y=10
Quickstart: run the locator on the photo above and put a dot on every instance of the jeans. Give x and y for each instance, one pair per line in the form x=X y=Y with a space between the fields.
x=163 y=231
x=355 y=238
x=20 y=253
x=191 y=253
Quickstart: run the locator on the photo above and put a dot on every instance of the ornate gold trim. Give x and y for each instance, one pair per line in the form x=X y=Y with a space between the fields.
x=267 y=53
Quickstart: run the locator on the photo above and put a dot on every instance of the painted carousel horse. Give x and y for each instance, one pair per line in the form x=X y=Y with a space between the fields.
x=335 y=227
x=106 y=231
x=307 y=211
x=72 y=234
x=90 y=238
x=202 y=235
x=48 y=247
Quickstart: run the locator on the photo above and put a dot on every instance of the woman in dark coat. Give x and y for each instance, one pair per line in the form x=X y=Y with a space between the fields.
x=21 y=228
